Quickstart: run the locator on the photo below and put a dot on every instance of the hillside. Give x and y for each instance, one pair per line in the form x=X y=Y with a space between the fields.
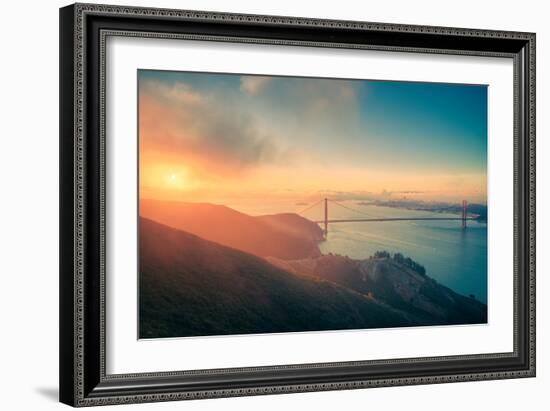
x=286 y=236
x=190 y=286
x=395 y=284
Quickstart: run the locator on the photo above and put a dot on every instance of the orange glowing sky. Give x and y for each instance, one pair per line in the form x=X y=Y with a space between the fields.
x=211 y=137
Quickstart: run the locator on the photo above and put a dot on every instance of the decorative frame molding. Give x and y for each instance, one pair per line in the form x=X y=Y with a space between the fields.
x=83 y=32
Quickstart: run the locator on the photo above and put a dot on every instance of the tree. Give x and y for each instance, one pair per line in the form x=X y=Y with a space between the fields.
x=381 y=254
x=398 y=257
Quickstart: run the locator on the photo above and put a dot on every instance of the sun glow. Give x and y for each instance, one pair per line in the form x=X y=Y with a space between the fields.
x=166 y=177
x=178 y=180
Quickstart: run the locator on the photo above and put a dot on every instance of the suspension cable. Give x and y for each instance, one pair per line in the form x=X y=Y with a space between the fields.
x=309 y=207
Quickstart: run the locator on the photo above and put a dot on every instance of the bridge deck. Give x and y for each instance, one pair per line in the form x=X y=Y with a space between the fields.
x=394 y=219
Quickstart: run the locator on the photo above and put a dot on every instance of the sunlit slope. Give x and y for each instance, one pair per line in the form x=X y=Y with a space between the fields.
x=283 y=235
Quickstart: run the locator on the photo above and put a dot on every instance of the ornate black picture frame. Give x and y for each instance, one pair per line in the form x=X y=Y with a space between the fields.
x=83 y=32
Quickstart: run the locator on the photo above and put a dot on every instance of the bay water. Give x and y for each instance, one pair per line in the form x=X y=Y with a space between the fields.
x=453 y=256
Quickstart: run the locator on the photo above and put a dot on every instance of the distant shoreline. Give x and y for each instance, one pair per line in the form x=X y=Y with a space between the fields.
x=478 y=211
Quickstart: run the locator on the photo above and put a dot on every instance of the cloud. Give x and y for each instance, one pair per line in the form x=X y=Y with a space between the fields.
x=311 y=108
x=201 y=130
x=179 y=93
x=254 y=85
x=217 y=132
x=347 y=195
x=408 y=192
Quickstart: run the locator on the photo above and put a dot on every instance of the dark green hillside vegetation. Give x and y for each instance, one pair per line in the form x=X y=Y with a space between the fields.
x=190 y=286
x=397 y=281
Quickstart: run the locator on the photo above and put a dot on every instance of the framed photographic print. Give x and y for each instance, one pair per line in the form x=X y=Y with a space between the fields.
x=260 y=204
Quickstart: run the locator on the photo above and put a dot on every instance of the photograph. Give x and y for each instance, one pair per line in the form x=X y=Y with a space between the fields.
x=286 y=200
x=280 y=204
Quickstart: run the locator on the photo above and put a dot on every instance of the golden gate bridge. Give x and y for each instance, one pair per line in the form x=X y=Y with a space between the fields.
x=369 y=218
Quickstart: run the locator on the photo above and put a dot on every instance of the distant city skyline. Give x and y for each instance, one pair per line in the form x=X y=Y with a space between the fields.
x=210 y=137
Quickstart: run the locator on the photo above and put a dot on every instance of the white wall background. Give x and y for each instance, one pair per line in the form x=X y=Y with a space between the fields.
x=29 y=204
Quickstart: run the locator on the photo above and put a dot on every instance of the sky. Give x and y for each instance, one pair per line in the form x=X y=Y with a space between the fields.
x=221 y=137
